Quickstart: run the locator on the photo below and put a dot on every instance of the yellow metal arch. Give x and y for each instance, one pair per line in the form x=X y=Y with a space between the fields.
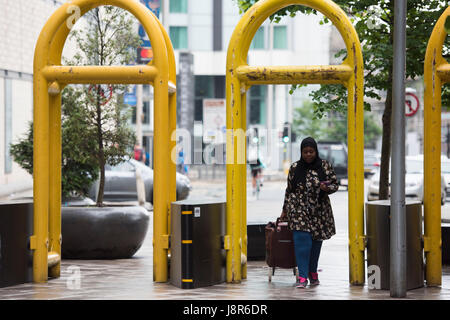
x=240 y=76
x=436 y=73
x=49 y=79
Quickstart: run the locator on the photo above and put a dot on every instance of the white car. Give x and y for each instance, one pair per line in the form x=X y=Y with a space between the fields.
x=445 y=171
x=120 y=182
x=413 y=181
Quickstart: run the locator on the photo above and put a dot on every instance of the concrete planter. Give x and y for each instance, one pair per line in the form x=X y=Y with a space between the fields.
x=113 y=232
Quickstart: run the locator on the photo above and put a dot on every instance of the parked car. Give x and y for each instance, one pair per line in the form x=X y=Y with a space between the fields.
x=413 y=181
x=336 y=153
x=120 y=182
x=371 y=164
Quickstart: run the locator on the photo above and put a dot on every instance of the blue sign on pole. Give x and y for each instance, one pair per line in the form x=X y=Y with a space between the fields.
x=153 y=5
x=130 y=99
x=145 y=54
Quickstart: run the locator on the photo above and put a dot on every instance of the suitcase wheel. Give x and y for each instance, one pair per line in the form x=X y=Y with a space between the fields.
x=271 y=273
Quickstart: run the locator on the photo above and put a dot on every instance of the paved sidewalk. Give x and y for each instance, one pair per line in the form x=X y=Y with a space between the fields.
x=133 y=279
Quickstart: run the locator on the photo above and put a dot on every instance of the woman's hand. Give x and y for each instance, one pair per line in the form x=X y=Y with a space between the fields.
x=324 y=186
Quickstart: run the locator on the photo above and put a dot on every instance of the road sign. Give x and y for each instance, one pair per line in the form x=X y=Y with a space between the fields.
x=100 y=92
x=130 y=99
x=214 y=120
x=411 y=104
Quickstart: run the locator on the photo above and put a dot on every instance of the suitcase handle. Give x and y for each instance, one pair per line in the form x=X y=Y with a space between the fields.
x=276 y=225
x=280 y=223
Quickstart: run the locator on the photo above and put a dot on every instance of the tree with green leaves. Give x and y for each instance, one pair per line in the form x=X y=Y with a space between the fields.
x=374 y=23
x=333 y=128
x=95 y=129
x=109 y=39
x=305 y=124
x=79 y=167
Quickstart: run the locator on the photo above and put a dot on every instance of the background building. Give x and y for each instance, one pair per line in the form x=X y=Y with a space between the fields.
x=204 y=28
x=200 y=32
x=20 y=24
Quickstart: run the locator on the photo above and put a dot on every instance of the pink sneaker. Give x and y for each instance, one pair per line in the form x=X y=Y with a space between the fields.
x=302 y=283
x=313 y=278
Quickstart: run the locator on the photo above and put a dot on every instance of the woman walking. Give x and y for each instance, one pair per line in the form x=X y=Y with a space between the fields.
x=308 y=210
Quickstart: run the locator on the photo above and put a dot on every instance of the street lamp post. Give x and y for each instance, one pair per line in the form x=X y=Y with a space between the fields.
x=398 y=212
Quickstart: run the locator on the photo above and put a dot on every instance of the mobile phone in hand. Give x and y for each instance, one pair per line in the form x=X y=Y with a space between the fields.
x=325 y=182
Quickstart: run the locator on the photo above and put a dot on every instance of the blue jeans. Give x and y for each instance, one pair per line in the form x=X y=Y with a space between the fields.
x=307 y=252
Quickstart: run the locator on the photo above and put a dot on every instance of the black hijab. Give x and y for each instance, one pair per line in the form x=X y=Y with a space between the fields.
x=303 y=166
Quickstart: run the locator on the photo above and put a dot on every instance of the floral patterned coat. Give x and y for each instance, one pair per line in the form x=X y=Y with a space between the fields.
x=304 y=210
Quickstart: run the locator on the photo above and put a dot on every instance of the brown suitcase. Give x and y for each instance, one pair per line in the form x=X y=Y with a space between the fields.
x=279 y=247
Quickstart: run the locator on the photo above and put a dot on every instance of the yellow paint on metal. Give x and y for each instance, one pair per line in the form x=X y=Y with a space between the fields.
x=49 y=79
x=98 y=74
x=436 y=73
x=227 y=242
x=298 y=74
x=172 y=195
x=426 y=244
x=443 y=71
x=54 y=259
x=55 y=147
x=240 y=76
x=243 y=182
x=186 y=241
x=187 y=280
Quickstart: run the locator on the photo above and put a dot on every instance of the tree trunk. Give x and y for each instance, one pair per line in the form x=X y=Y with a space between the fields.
x=383 y=188
x=101 y=152
x=386 y=146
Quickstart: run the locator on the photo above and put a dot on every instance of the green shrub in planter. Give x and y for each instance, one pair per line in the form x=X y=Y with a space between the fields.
x=79 y=167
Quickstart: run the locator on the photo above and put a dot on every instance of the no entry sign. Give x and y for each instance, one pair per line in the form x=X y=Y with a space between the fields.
x=411 y=104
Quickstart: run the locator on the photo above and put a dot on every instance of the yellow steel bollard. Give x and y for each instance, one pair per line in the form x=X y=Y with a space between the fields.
x=49 y=79
x=436 y=73
x=172 y=195
x=240 y=76
x=243 y=177
x=55 y=179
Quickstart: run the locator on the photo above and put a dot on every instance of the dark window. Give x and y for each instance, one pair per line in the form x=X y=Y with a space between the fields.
x=146 y=112
x=219 y=87
x=207 y=87
x=257 y=105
